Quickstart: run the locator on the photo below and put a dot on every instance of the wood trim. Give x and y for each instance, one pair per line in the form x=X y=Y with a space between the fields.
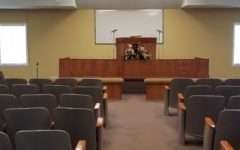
x=105 y=96
x=182 y=106
x=154 y=91
x=209 y=122
x=167 y=87
x=136 y=39
x=99 y=122
x=81 y=145
x=225 y=145
x=114 y=91
x=104 y=88
x=180 y=97
x=97 y=106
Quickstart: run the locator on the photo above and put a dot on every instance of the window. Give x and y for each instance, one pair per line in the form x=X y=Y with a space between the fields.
x=13 y=44
x=236 y=47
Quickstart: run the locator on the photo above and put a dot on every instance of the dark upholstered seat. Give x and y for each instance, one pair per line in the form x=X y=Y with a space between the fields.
x=80 y=124
x=5 y=142
x=57 y=90
x=226 y=128
x=17 y=119
x=10 y=81
x=20 y=89
x=43 y=140
x=176 y=86
x=213 y=82
x=40 y=82
x=7 y=101
x=191 y=117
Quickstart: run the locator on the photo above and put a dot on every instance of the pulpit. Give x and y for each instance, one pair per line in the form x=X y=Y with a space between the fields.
x=149 y=43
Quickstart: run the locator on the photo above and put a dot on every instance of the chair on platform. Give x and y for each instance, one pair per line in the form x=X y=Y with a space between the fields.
x=66 y=81
x=80 y=124
x=5 y=142
x=7 y=101
x=191 y=116
x=17 y=119
x=10 y=81
x=232 y=81
x=40 y=82
x=226 y=128
x=176 y=86
x=45 y=140
x=57 y=90
x=20 y=89
x=213 y=82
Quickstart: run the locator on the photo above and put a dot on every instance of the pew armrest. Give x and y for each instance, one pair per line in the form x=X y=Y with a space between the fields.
x=225 y=145
x=81 y=145
x=166 y=87
x=182 y=122
x=100 y=122
x=105 y=96
x=180 y=97
x=97 y=106
x=209 y=133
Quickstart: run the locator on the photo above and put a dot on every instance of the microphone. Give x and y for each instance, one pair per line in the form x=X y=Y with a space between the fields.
x=159 y=31
x=114 y=30
x=37 y=69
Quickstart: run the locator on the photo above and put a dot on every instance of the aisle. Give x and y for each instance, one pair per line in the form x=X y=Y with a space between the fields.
x=136 y=124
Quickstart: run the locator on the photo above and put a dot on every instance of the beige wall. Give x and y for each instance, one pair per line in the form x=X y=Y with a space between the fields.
x=54 y=34
x=206 y=33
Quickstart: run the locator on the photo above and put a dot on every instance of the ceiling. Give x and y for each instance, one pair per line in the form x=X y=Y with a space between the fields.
x=117 y=4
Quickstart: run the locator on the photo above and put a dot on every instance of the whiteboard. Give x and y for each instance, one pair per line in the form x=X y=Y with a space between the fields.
x=126 y=23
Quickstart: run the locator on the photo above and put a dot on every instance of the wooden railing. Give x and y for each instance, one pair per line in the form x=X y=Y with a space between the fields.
x=134 y=68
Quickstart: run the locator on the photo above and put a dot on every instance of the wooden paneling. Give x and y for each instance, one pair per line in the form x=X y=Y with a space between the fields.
x=114 y=91
x=89 y=67
x=148 y=43
x=134 y=68
x=155 y=91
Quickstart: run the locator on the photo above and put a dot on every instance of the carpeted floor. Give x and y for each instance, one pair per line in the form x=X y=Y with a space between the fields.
x=137 y=124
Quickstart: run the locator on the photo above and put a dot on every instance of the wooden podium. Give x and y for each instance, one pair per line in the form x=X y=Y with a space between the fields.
x=149 y=43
